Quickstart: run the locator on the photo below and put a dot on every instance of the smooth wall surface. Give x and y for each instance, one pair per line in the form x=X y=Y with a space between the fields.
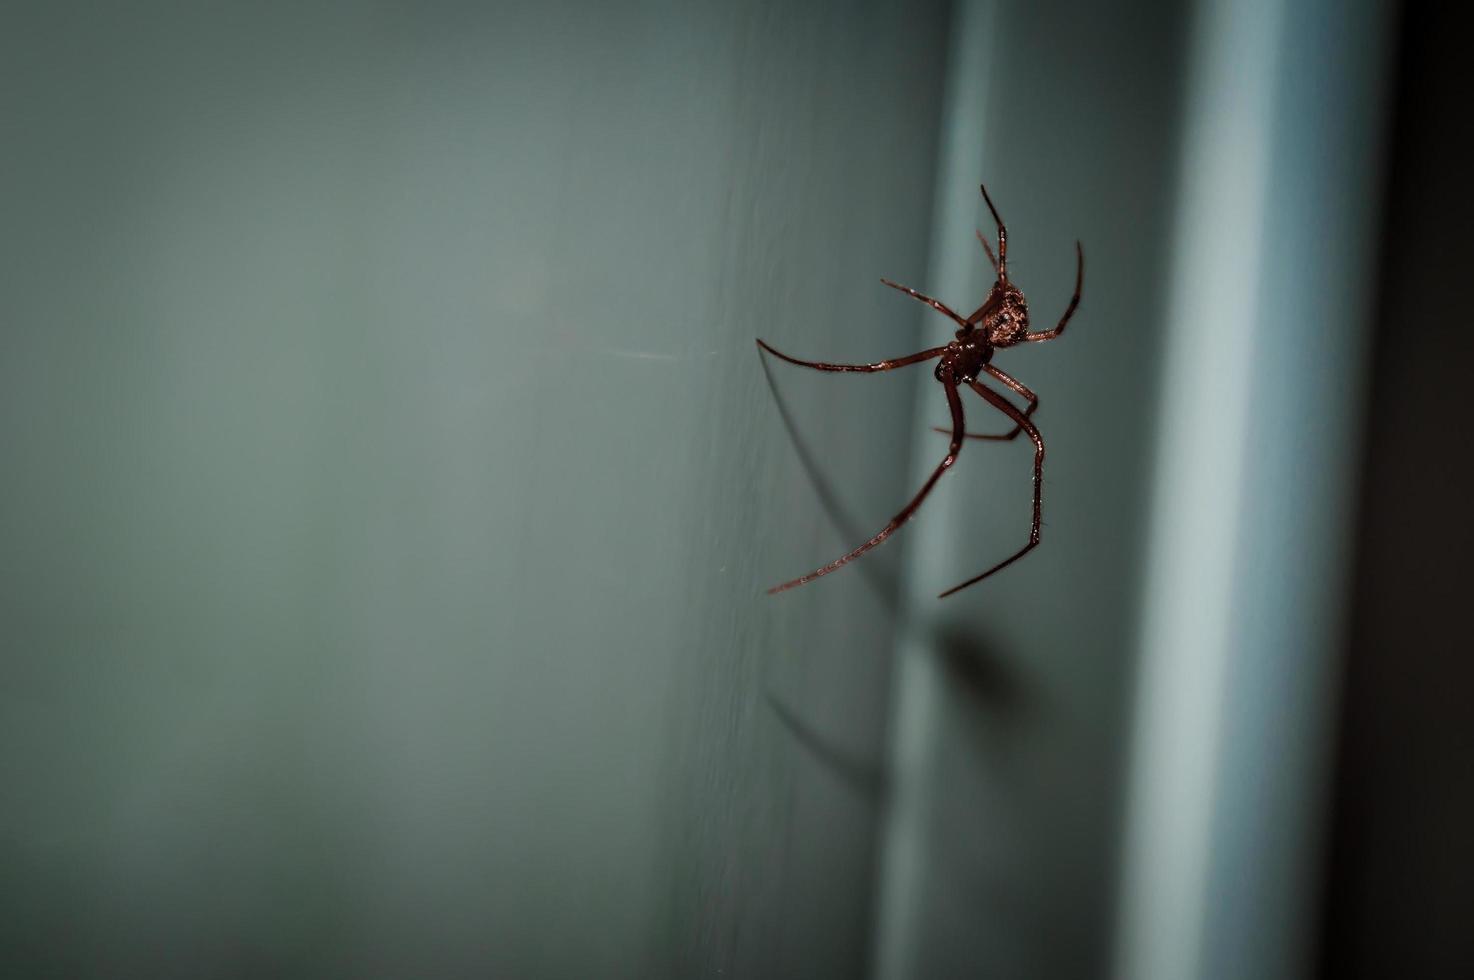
x=390 y=482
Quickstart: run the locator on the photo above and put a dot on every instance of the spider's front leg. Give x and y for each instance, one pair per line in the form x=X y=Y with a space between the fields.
x=1001 y=263
x=886 y=365
x=940 y=307
x=1074 y=301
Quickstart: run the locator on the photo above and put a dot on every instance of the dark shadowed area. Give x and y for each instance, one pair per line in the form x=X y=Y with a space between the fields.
x=1399 y=882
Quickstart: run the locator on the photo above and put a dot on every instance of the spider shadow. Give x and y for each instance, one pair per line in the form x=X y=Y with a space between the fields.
x=866 y=778
x=987 y=681
x=986 y=692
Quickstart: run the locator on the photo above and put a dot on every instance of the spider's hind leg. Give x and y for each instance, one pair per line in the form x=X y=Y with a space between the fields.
x=955 y=404
x=1017 y=386
x=1003 y=405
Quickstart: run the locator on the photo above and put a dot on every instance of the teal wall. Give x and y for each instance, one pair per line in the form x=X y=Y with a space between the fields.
x=390 y=483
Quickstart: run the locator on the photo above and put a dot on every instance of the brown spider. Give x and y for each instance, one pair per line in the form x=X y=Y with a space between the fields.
x=1002 y=321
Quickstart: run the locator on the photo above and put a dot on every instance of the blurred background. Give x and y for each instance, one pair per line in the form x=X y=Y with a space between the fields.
x=389 y=484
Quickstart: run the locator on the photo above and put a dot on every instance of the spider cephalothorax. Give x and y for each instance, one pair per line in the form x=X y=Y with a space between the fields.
x=1002 y=321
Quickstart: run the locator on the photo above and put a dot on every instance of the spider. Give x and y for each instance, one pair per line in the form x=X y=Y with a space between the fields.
x=1002 y=321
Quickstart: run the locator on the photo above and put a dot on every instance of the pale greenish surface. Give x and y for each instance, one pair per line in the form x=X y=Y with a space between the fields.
x=1256 y=485
x=390 y=481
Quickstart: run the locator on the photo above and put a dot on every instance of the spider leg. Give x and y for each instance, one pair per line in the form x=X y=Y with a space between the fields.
x=1014 y=383
x=1003 y=405
x=971 y=435
x=939 y=307
x=1017 y=386
x=955 y=404
x=1074 y=300
x=1021 y=389
x=885 y=365
x=1002 y=263
x=988 y=251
